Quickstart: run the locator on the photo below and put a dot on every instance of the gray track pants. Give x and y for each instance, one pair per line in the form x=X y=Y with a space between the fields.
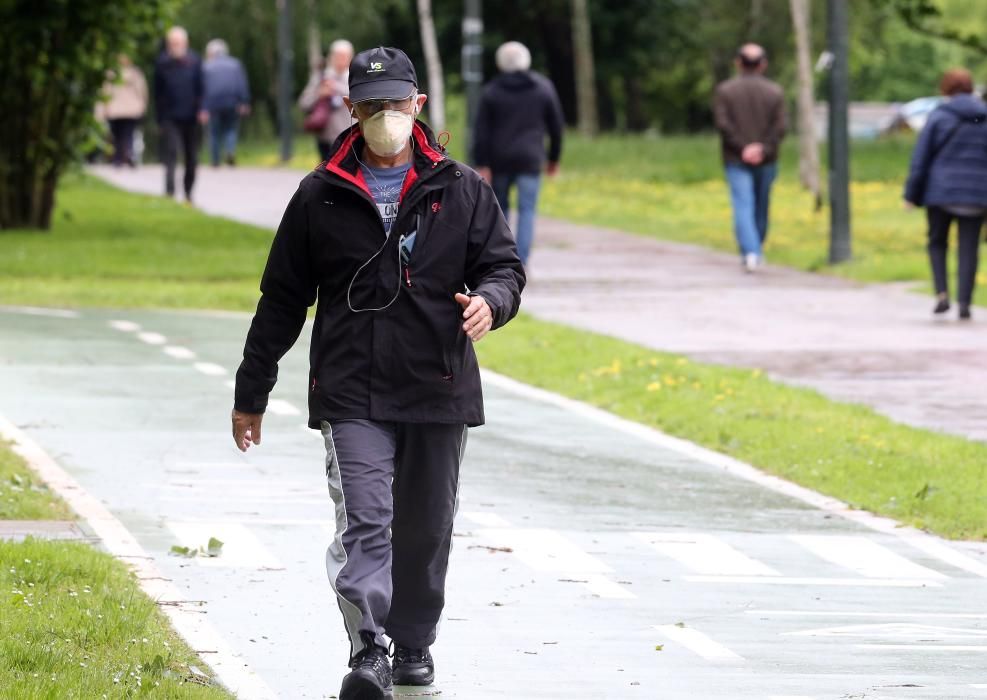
x=395 y=487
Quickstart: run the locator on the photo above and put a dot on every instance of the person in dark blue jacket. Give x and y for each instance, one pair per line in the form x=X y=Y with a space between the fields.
x=517 y=110
x=949 y=178
x=178 y=106
x=226 y=98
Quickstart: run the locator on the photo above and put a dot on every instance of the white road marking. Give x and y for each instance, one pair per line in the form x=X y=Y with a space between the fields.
x=923 y=647
x=485 y=519
x=209 y=368
x=240 y=547
x=790 y=697
x=889 y=614
x=818 y=581
x=152 y=338
x=705 y=554
x=40 y=311
x=192 y=625
x=948 y=554
x=697 y=642
x=282 y=408
x=978 y=685
x=905 y=631
x=179 y=352
x=728 y=464
x=864 y=556
x=230 y=384
x=548 y=551
x=125 y=326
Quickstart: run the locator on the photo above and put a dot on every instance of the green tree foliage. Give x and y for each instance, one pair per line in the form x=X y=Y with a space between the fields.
x=54 y=57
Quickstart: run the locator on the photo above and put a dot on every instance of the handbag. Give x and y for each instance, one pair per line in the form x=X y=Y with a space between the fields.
x=317 y=119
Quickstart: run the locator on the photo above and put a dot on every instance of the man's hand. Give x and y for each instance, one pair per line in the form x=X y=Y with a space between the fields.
x=485 y=173
x=906 y=205
x=479 y=317
x=243 y=109
x=246 y=429
x=203 y=117
x=552 y=169
x=753 y=154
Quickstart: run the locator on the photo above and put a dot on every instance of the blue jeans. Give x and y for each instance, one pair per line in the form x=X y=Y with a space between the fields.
x=527 y=200
x=750 y=193
x=223 y=124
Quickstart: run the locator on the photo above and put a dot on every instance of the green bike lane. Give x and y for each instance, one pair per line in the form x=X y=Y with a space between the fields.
x=591 y=559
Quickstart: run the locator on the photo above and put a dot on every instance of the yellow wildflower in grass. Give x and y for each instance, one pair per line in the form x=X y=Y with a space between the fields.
x=654 y=386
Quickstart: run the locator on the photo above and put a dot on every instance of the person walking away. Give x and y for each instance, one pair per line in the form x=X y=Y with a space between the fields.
x=178 y=103
x=749 y=111
x=948 y=176
x=226 y=98
x=126 y=102
x=410 y=262
x=322 y=98
x=517 y=110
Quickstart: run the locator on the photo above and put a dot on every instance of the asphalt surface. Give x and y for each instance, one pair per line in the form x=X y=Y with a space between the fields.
x=588 y=562
x=872 y=344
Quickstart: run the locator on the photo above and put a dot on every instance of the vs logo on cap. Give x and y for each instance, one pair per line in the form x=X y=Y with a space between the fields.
x=376 y=67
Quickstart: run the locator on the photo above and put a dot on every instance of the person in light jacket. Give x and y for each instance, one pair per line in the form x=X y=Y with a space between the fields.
x=226 y=98
x=948 y=176
x=126 y=102
x=331 y=85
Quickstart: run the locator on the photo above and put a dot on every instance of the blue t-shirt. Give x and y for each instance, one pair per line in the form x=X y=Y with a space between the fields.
x=385 y=187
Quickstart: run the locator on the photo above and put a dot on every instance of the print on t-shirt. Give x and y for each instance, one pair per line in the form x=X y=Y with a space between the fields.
x=385 y=185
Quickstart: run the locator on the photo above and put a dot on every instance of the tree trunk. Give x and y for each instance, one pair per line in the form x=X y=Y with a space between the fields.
x=808 y=148
x=433 y=66
x=314 y=39
x=582 y=50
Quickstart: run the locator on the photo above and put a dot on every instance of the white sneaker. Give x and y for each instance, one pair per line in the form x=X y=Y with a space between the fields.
x=751 y=262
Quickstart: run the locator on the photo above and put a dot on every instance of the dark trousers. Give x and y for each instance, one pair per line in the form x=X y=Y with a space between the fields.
x=395 y=489
x=223 y=127
x=968 y=251
x=184 y=136
x=324 y=148
x=122 y=131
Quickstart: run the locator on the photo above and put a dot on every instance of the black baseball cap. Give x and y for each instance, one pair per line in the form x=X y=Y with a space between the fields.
x=383 y=73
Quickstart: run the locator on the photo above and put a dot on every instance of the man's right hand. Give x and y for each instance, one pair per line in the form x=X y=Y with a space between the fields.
x=753 y=154
x=246 y=429
x=485 y=173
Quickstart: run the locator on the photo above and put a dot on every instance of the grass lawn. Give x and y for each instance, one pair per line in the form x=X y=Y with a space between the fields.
x=673 y=188
x=73 y=621
x=849 y=452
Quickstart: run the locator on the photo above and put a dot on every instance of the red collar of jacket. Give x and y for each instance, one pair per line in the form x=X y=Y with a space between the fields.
x=344 y=164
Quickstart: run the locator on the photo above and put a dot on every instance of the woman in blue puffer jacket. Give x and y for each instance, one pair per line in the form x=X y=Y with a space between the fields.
x=949 y=178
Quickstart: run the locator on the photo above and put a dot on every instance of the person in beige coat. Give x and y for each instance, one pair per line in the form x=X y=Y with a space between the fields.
x=126 y=103
x=325 y=92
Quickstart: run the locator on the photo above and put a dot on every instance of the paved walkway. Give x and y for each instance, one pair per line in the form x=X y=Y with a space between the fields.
x=872 y=344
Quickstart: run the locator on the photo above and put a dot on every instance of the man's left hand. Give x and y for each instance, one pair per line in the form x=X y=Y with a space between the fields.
x=479 y=317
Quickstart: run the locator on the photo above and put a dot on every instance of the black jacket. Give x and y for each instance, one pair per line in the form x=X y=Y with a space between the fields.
x=410 y=362
x=516 y=112
x=949 y=164
x=177 y=87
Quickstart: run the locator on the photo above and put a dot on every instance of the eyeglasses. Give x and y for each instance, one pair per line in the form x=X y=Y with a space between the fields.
x=368 y=108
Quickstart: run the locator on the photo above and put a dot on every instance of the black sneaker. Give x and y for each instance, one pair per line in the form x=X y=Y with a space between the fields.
x=413 y=666
x=965 y=314
x=370 y=678
x=942 y=306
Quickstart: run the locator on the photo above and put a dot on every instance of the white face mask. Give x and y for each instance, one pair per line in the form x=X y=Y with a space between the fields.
x=387 y=132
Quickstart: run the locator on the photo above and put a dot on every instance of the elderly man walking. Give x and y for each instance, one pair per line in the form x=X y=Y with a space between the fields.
x=226 y=99
x=178 y=106
x=410 y=261
x=749 y=111
x=517 y=110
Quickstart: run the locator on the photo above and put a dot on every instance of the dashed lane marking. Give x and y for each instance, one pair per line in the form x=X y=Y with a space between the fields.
x=865 y=557
x=486 y=519
x=125 y=326
x=40 y=311
x=282 y=408
x=819 y=581
x=179 y=352
x=698 y=643
x=856 y=613
x=947 y=554
x=209 y=368
x=152 y=338
x=922 y=647
x=241 y=548
x=704 y=554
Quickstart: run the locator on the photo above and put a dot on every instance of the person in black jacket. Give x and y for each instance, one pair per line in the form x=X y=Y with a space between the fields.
x=517 y=110
x=178 y=107
x=948 y=177
x=410 y=261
